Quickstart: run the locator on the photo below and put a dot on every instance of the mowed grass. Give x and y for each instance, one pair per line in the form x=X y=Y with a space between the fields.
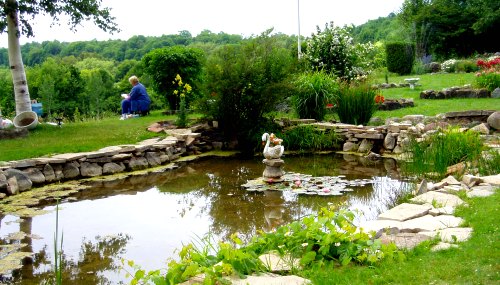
x=476 y=261
x=432 y=107
x=79 y=137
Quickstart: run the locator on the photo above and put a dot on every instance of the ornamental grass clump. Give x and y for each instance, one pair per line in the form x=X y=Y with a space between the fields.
x=303 y=138
x=433 y=156
x=314 y=91
x=356 y=104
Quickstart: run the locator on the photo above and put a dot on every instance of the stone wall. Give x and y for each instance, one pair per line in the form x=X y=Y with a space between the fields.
x=455 y=92
x=394 y=137
x=22 y=175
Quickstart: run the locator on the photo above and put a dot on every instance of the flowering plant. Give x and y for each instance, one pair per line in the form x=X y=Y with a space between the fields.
x=489 y=75
x=379 y=99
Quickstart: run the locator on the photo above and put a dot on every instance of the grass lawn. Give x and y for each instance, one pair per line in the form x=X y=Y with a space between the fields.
x=476 y=261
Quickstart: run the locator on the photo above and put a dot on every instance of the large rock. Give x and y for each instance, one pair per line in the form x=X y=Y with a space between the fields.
x=492 y=179
x=48 y=172
x=365 y=146
x=496 y=93
x=438 y=199
x=23 y=181
x=111 y=168
x=494 y=120
x=71 y=170
x=137 y=163
x=390 y=141
x=153 y=158
x=404 y=240
x=35 y=175
x=90 y=169
x=3 y=181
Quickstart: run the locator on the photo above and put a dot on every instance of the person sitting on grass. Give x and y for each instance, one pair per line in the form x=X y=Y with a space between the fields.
x=137 y=101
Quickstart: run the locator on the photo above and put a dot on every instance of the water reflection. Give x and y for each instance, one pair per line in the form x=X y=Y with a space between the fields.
x=145 y=218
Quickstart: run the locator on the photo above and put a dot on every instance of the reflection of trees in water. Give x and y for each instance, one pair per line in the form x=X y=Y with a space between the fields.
x=94 y=258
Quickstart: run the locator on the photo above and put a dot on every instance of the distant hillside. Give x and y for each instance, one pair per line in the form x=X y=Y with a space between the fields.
x=381 y=29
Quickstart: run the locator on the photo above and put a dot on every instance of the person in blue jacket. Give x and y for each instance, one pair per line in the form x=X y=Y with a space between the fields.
x=137 y=101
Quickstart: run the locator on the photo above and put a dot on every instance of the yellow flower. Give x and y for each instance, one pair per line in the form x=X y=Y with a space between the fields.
x=175 y=92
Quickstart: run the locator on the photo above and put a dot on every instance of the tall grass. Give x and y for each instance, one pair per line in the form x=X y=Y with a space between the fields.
x=313 y=92
x=309 y=138
x=356 y=104
x=441 y=150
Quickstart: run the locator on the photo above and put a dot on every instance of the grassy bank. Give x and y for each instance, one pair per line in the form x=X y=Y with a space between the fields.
x=476 y=261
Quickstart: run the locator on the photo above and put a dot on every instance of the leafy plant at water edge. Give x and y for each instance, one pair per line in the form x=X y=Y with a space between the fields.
x=313 y=92
x=489 y=163
x=443 y=149
x=356 y=104
x=328 y=238
x=309 y=138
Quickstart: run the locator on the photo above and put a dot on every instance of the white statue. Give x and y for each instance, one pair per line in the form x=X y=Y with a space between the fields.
x=273 y=148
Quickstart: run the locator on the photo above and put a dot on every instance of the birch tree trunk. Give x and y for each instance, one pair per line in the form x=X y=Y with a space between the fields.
x=22 y=95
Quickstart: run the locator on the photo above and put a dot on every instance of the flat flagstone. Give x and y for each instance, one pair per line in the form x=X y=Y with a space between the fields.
x=69 y=156
x=405 y=211
x=450 y=221
x=480 y=191
x=451 y=234
x=404 y=240
x=421 y=224
x=450 y=180
x=448 y=210
x=492 y=179
x=441 y=199
x=378 y=225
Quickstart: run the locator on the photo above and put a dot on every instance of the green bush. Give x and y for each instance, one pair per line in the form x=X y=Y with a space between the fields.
x=356 y=104
x=313 y=92
x=241 y=83
x=490 y=81
x=400 y=57
x=466 y=66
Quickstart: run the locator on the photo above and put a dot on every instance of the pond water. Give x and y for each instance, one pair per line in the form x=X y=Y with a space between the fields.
x=146 y=218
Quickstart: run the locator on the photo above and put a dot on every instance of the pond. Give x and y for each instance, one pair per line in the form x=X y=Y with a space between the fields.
x=146 y=218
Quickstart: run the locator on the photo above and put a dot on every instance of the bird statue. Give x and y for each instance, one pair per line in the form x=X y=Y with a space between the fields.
x=273 y=148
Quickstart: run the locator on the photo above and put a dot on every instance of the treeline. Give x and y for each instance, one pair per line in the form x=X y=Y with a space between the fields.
x=440 y=29
x=118 y=50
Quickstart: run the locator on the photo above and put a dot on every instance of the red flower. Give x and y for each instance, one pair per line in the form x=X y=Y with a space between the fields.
x=329 y=105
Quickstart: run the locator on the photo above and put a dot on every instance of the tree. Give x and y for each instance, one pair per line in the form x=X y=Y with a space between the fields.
x=164 y=64
x=16 y=17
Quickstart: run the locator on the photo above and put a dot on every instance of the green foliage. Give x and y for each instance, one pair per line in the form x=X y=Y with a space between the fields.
x=400 y=57
x=448 y=28
x=489 y=163
x=433 y=155
x=242 y=81
x=313 y=91
x=309 y=138
x=164 y=64
x=334 y=51
x=490 y=81
x=356 y=104
x=328 y=238
x=182 y=90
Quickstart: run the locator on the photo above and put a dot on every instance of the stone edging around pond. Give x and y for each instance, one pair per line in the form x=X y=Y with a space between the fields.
x=22 y=175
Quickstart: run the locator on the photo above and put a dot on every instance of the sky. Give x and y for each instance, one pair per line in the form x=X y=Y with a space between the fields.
x=243 y=17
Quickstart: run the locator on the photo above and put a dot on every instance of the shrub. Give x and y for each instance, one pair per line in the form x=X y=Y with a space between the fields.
x=241 y=81
x=313 y=92
x=400 y=57
x=333 y=51
x=356 y=104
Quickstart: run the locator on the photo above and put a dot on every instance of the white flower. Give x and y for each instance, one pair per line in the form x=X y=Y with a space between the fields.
x=304 y=244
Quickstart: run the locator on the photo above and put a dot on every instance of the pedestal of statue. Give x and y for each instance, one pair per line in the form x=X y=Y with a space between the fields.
x=273 y=171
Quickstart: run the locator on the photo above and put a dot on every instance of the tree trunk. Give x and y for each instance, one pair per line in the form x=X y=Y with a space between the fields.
x=21 y=91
